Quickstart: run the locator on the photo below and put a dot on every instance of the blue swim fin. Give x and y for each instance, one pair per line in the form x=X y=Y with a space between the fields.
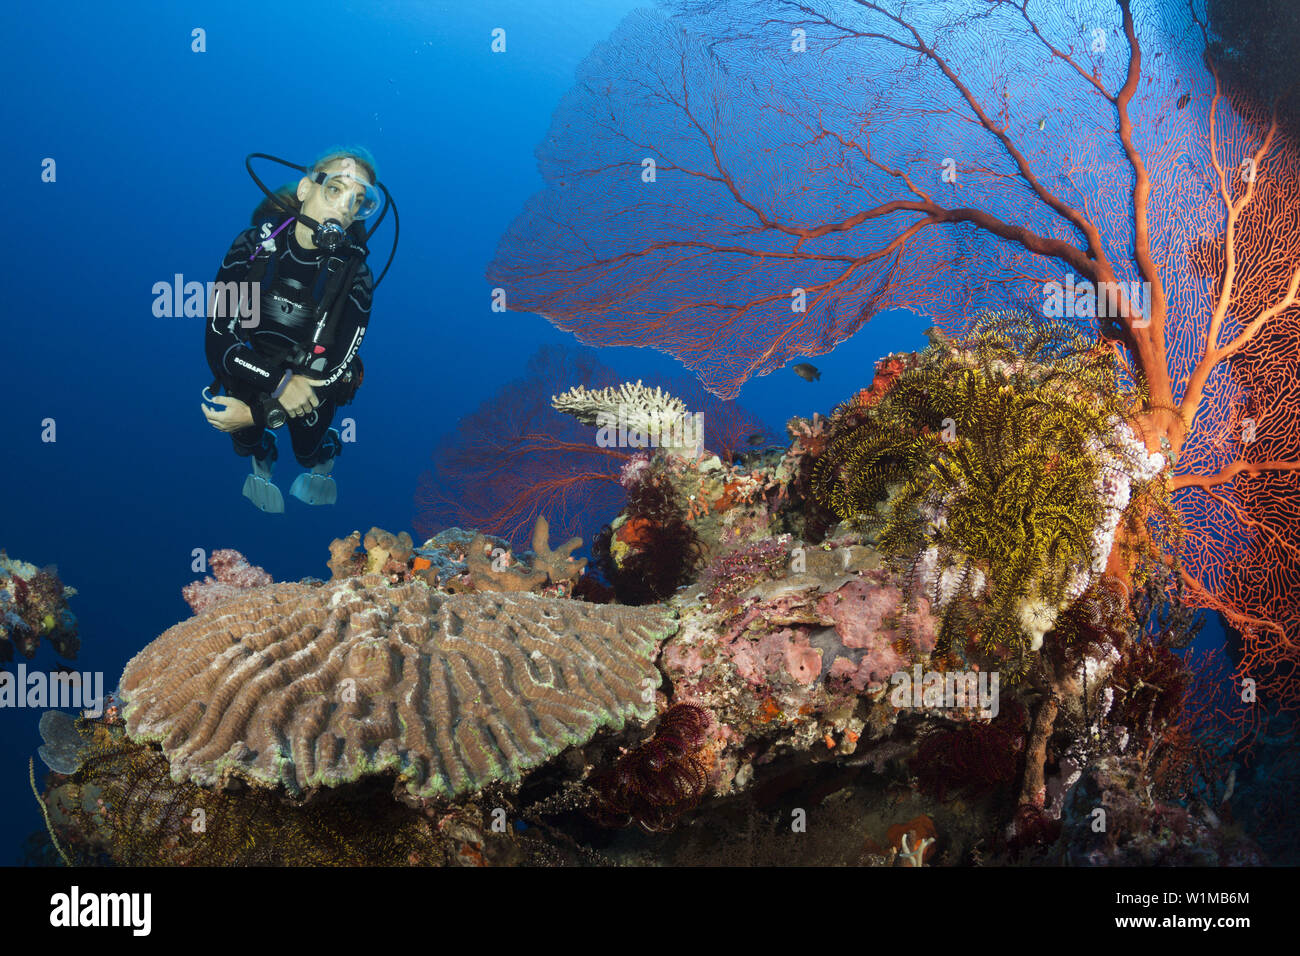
x=259 y=489
x=316 y=487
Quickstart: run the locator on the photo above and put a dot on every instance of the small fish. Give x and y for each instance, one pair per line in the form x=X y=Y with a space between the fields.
x=755 y=439
x=807 y=372
x=1042 y=122
x=1184 y=100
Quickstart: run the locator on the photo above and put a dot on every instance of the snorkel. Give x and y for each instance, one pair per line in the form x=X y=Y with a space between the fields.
x=330 y=235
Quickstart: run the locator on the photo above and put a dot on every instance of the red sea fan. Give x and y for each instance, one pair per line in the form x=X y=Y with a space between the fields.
x=516 y=457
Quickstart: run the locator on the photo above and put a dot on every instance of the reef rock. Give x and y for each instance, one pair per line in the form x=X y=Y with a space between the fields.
x=33 y=604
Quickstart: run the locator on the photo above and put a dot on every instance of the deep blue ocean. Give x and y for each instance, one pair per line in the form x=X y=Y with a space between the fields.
x=148 y=139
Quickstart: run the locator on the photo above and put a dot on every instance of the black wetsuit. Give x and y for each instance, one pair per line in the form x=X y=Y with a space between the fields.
x=250 y=362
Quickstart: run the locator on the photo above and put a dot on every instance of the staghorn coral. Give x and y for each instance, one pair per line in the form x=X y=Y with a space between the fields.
x=641 y=417
x=307 y=686
x=231 y=576
x=33 y=605
x=996 y=468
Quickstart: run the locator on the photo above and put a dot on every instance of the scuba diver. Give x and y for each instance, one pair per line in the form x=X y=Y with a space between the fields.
x=287 y=352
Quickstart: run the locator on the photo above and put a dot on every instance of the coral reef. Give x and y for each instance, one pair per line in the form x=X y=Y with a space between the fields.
x=306 y=686
x=799 y=661
x=33 y=605
x=1110 y=819
x=948 y=619
x=231 y=576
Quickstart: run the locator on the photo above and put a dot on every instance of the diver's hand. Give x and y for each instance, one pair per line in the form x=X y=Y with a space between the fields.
x=298 y=397
x=233 y=416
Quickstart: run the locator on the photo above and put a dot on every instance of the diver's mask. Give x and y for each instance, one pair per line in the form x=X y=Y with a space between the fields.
x=348 y=191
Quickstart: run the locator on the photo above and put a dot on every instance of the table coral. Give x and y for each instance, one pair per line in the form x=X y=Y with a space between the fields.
x=642 y=416
x=305 y=686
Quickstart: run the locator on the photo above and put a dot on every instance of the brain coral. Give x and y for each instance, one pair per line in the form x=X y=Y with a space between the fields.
x=307 y=686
